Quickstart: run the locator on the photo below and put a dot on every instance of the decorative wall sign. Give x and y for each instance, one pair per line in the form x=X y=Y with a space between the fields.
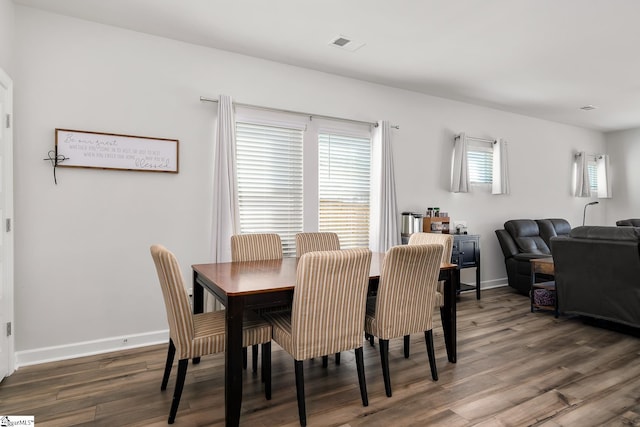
x=112 y=151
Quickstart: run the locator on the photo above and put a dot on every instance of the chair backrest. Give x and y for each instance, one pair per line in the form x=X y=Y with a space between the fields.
x=407 y=290
x=526 y=234
x=312 y=242
x=176 y=299
x=552 y=227
x=446 y=240
x=329 y=301
x=255 y=247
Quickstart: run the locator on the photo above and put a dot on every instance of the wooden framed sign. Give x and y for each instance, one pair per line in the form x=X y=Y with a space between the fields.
x=76 y=148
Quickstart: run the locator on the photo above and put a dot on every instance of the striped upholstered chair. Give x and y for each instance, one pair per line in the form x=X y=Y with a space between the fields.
x=255 y=247
x=446 y=240
x=327 y=314
x=195 y=335
x=405 y=300
x=314 y=242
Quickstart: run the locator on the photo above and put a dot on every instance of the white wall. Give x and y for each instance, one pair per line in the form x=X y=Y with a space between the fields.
x=83 y=270
x=7 y=17
x=624 y=152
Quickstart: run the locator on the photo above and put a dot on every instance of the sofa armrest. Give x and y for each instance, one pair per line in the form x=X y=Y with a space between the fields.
x=508 y=245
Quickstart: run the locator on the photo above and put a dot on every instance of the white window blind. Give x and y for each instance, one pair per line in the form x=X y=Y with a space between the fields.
x=344 y=187
x=270 y=182
x=480 y=163
x=592 y=169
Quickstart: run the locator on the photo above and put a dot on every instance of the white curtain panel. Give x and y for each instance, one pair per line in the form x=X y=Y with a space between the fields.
x=582 y=188
x=500 y=184
x=225 y=189
x=604 y=180
x=384 y=226
x=459 y=169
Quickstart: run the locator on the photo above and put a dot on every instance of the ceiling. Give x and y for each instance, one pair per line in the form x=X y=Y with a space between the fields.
x=541 y=58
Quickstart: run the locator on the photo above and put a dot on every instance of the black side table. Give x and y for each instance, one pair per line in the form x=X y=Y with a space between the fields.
x=466 y=254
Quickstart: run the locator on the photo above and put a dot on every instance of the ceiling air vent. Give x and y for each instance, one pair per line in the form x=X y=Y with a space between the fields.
x=345 y=43
x=588 y=107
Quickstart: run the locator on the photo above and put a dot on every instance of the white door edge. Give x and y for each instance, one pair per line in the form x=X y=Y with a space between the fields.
x=7 y=364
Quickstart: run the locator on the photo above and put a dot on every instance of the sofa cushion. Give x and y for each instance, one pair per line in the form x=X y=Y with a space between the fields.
x=553 y=227
x=606 y=233
x=526 y=234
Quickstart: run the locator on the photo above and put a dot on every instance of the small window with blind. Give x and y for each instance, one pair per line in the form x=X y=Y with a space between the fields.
x=344 y=169
x=270 y=181
x=592 y=170
x=480 y=162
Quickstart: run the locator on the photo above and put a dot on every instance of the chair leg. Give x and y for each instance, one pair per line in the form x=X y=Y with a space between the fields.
x=325 y=361
x=428 y=337
x=361 y=378
x=182 y=373
x=244 y=357
x=302 y=412
x=266 y=369
x=384 y=361
x=337 y=358
x=371 y=339
x=254 y=359
x=407 y=341
x=171 y=352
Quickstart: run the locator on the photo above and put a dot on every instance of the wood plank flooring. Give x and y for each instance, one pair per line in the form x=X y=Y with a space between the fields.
x=515 y=368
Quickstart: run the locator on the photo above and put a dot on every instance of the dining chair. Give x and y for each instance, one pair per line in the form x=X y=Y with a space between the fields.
x=313 y=242
x=446 y=240
x=195 y=335
x=327 y=313
x=316 y=241
x=255 y=247
x=405 y=300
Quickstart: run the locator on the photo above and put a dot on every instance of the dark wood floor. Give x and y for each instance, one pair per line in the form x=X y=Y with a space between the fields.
x=515 y=368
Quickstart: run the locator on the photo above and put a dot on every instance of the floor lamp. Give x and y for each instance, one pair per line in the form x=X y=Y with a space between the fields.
x=584 y=214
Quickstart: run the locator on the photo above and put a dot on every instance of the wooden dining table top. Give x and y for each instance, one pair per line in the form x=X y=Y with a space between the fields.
x=254 y=277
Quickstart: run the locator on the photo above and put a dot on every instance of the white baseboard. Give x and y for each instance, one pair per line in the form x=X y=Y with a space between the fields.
x=89 y=348
x=496 y=283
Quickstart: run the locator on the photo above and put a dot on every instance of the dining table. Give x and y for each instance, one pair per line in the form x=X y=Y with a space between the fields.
x=250 y=285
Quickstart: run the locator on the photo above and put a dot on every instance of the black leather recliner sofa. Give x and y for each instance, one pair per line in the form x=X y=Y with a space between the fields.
x=525 y=239
x=597 y=273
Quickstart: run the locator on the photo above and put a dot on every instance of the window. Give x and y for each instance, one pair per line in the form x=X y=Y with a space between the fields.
x=597 y=175
x=269 y=168
x=480 y=162
x=344 y=188
x=592 y=169
x=300 y=176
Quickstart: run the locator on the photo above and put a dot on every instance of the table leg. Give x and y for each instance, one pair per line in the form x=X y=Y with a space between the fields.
x=198 y=302
x=233 y=361
x=449 y=321
x=478 y=276
x=198 y=295
x=533 y=282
